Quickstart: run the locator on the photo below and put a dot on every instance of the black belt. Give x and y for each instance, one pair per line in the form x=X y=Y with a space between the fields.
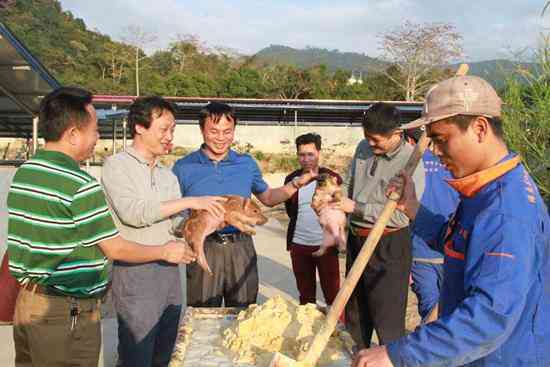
x=226 y=238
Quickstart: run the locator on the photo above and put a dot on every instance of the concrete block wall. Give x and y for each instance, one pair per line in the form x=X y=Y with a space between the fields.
x=279 y=139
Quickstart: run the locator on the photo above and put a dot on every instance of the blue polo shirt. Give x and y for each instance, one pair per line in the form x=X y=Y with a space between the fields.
x=236 y=174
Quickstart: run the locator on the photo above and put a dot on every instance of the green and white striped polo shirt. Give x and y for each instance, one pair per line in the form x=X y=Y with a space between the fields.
x=57 y=216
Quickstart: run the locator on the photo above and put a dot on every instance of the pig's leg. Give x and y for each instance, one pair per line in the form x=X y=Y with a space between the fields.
x=328 y=241
x=341 y=239
x=198 y=237
x=201 y=256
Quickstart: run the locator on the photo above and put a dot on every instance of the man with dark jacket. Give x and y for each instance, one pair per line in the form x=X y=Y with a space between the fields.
x=304 y=233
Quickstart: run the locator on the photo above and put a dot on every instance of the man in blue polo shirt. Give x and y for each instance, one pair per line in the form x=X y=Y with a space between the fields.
x=216 y=169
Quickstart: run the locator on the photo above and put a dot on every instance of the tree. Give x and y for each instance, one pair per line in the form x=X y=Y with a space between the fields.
x=416 y=50
x=286 y=82
x=184 y=47
x=139 y=38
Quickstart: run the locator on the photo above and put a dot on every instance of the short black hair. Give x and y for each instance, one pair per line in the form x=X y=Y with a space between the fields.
x=464 y=121
x=145 y=109
x=381 y=118
x=61 y=109
x=309 y=138
x=215 y=111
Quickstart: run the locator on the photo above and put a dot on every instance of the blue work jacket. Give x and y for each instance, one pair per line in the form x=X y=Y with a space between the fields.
x=438 y=197
x=495 y=301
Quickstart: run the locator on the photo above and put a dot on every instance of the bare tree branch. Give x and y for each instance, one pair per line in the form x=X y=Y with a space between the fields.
x=139 y=38
x=417 y=50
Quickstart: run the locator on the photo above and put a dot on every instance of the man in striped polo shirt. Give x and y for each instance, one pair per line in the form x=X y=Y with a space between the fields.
x=60 y=234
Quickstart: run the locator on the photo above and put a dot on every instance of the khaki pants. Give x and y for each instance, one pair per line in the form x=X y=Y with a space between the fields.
x=42 y=331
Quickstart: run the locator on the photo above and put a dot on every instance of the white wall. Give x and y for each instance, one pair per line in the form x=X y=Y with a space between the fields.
x=279 y=139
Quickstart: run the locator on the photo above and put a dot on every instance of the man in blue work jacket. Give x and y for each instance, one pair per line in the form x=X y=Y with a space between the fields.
x=495 y=299
x=216 y=169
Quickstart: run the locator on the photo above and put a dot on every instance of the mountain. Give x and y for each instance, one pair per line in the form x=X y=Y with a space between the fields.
x=76 y=55
x=494 y=71
x=312 y=56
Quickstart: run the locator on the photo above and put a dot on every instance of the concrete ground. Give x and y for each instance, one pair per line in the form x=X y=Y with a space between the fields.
x=275 y=278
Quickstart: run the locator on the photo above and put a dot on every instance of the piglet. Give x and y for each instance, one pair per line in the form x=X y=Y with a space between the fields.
x=333 y=221
x=240 y=212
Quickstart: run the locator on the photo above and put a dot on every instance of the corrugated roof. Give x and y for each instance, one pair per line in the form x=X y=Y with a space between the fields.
x=23 y=83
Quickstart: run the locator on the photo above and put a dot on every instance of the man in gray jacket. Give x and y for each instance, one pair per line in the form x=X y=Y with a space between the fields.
x=145 y=197
x=380 y=298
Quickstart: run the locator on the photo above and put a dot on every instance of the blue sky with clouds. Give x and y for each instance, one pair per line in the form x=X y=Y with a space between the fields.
x=491 y=28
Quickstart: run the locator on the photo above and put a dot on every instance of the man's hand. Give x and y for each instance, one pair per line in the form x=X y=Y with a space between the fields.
x=178 y=252
x=346 y=204
x=404 y=185
x=304 y=179
x=212 y=204
x=372 y=357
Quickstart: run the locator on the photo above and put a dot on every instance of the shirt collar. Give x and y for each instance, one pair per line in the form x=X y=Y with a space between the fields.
x=138 y=157
x=231 y=155
x=470 y=185
x=392 y=154
x=57 y=156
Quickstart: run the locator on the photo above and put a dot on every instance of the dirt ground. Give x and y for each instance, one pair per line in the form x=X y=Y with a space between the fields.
x=412 y=318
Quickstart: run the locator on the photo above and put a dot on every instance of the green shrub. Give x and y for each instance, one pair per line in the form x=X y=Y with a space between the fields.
x=526 y=118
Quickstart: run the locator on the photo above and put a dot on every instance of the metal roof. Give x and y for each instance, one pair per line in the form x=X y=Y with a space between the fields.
x=23 y=82
x=268 y=111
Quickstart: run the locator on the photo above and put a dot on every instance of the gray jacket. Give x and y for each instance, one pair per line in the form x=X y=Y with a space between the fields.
x=367 y=185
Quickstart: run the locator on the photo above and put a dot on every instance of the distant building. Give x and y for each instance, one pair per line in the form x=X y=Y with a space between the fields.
x=353 y=80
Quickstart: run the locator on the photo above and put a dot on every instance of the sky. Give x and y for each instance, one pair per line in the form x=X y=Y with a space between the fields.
x=491 y=29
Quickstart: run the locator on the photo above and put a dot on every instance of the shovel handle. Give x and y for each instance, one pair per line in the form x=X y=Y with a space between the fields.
x=321 y=339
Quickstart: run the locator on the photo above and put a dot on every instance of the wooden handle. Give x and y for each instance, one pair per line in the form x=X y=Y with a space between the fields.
x=320 y=341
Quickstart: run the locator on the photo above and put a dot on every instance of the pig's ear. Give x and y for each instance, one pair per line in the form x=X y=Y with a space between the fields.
x=247 y=202
x=251 y=204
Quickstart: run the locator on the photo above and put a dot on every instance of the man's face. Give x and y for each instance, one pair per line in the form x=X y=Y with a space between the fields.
x=460 y=151
x=218 y=137
x=308 y=156
x=85 y=137
x=158 y=137
x=383 y=143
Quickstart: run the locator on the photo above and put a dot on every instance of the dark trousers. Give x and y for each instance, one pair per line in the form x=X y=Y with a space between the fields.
x=235 y=278
x=155 y=350
x=379 y=301
x=305 y=267
x=147 y=300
